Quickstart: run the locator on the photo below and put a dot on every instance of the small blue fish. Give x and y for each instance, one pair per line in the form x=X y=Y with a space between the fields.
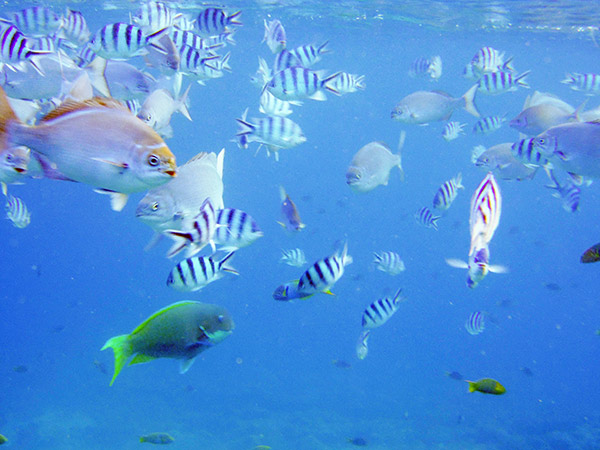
x=447 y=192
x=289 y=212
x=287 y=291
x=426 y=218
x=475 y=323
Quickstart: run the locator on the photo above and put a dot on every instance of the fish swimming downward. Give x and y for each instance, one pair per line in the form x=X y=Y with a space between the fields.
x=486 y=207
x=181 y=330
x=96 y=142
x=289 y=213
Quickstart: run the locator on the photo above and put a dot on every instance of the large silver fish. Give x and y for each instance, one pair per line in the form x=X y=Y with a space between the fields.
x=372 y=164
x=175 y=204
x=500 y=160
x=424 y=107
x=575 y=147
x=97 y=142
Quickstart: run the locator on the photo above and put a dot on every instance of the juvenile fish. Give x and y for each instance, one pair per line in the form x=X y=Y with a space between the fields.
x=475 y=324
x=16 y=210
x=289 y=213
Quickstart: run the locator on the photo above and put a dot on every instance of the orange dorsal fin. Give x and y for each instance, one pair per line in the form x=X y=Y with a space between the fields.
x=6 y=115
x=72 y=106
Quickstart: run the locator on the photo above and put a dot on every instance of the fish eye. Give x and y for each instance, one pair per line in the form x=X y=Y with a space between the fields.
x=154 y=206
x=220 y=318
x=541 y=141
x=9 y=157
x=153 y=160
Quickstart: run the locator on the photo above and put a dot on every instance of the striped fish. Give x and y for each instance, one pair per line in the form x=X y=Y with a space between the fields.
x=425 y=217
x=309 y=54
x=272 y=106
x=202 y=232
x=500 y=82
x=323 y=274
x=192 y=274
x=389 y=262
x=212 y=21
x=36 y=20
x=487 y=60
x=235 y=229
x=486 y=208
x=284 y=60
x=16 y=210
x=191 y=39
x=475 y=323
x=486 y=125
x=75 y=27
x=15 y=47
x=435 y=68
x=298 y=83
x=452 y=130
x=185 y=22
x=220 y=40
x=419 y=67
x=193 y=59
x=294 y=257
x=345 y=83
x=569 y=193
x=362 y=348
x=274 y=132
x=588 y=82
x=380 y=311
x=275 y=36
x=525 y=151
x=122 y=41
x=154 y=16
x=447 y=192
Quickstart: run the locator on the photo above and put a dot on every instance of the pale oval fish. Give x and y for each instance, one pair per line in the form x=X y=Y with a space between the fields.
x=500 y=160
x=371 y=165
x=160 y=105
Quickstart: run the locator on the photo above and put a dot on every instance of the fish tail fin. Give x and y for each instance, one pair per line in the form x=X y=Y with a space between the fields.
x=181 y=241
x=520 y=80
x=122 y=349
x=322 y=48
x=232 y=19
x=399 y=154
x=575 y=116
x=224 y=63
x=244 y=127
x=458 y=181
x=434 y=224
x=4 y=188
x=96 y=70
x=507 y=66
x=7 y=115
x=225 y=266
x=469 y=99
x=183 y=101
x=472 y=386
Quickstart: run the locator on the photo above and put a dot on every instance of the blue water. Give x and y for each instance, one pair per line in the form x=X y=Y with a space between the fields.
x=79 y=275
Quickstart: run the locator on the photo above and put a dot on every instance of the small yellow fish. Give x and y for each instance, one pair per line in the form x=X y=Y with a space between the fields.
x=157 y=438
x=98 y=142
x=486 y=386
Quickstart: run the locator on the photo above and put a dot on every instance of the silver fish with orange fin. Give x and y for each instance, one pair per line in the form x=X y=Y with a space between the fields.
x=97 y=142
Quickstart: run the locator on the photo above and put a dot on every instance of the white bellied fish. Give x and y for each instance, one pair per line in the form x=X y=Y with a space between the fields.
x=500 y=160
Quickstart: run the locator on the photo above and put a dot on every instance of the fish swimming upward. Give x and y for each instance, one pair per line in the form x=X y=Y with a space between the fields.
x=96 y=142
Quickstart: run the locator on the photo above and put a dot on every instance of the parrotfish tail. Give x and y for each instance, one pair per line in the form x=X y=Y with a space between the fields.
x=232 y=19
x=7 y=115
x=472 y=387
x=331 y=88
x=520 y=80
x=469 y=98
x=122 y=349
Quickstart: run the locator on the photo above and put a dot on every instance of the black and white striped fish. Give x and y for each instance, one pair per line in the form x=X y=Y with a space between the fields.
x=75 y=27
x=488 y=124
x=122 y=41
x=362 y=347
x=275 y=36
x=525 y=151
x=452 y=130
x=500 y=82
x=345 y=83
x=201 y=233
x=16 y=210
x=15 y=47
x=389 y=262
x=380 y=311
x=419 y=67
x=284 y=60
x=235 y=229
x=191 y=39
x=194 y=273
x=298 y=83
x=36 y=20
x=589 y=82
x=569 y=193
x=323 y=274
x=294 y=257
x=475 y=323
x=487 y=60
x=212 y=21
x=426 y=218
x=309 y=54
x=272 y=106
x=154 y=16
x=447 y=193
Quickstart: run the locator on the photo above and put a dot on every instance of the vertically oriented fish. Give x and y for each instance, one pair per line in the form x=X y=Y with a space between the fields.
x=16 y=210
x=362 y=347
x=289 y=213
x=371 y=166
x=196 y=236
x=96 y=142
x=181 y=330
x=275 y=36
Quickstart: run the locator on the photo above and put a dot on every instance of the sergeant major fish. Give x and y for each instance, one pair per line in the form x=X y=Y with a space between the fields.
x=371 y=165
x=235 y=229
x=569 y=193
x=323 y=274
x=381 y=310
x=294 y=257
x=181 y=330
x=192 y=274
x=97 y=142
x=196 y=236
x=389 y=262
x=16 y=210
x=425 y=217
x=452 y=130
x=275 y=36
x=447 y=193
x=423 y=107
x=297 y=83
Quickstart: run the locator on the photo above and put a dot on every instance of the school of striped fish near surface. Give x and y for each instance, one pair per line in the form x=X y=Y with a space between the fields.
x=98 y=108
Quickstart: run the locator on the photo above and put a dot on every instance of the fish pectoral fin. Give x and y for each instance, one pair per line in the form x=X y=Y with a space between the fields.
x=121 y=165
x=562 y=156
x=498 y=269
x=328 y=292
x=457 y=263
x=140 y=358
x=118 y=200
x=185 y=365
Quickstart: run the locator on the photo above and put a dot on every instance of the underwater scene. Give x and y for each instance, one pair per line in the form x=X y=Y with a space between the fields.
x=299 y=225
